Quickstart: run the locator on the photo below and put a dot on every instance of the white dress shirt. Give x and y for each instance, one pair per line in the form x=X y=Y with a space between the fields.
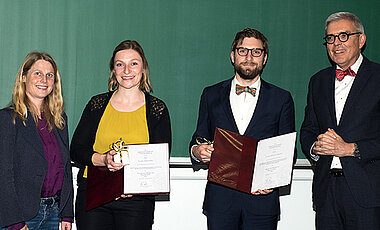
x=243 y=105
x=342 y=89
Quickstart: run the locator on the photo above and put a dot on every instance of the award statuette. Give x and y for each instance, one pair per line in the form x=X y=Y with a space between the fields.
x=122 y=154
x=203 y=141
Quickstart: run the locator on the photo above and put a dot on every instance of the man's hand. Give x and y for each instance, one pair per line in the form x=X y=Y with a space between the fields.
x=330 y=143
x=262 y=192
x=203 y=152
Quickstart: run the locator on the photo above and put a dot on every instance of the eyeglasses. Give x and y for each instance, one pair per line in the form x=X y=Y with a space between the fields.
x=343 y=37
x=256 y=52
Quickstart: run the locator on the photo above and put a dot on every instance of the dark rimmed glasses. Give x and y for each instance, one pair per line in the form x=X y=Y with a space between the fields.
x=256 y=52
x=343 y=37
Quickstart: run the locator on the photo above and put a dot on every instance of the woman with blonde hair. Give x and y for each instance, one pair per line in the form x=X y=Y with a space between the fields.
x=127 y=111
x=35 y=169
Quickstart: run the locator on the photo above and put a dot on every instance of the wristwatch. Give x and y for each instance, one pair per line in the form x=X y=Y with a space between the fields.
x=356 y=151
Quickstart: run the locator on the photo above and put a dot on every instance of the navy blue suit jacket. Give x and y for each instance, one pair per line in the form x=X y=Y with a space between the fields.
x=274 y=115
x=23 y=168
x=359 y=123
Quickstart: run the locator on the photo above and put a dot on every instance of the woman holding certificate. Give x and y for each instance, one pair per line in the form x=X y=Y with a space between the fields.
x=126 y=114
x=36 y=187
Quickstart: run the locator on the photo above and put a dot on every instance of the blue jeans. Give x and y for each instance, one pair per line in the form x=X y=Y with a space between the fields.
x=47 y=217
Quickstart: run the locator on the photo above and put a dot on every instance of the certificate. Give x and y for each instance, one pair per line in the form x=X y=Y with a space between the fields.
x=274 y=161
x=245 y=164
x=148 y=169
x=146 y=172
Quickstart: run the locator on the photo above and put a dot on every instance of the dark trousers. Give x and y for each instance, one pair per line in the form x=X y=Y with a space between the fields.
x=228 y=209
x=239 y=216
x=135 y=213
x=341 y=212
x=237 y=221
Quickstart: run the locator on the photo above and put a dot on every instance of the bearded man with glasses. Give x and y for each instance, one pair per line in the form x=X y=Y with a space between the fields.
x=248 y=105
x=340 y=133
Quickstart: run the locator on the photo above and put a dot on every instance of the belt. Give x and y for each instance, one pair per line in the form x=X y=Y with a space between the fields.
x=336 y=172
x=50 y=200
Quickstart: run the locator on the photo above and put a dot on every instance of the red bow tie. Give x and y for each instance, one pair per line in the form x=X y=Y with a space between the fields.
x=340 y=74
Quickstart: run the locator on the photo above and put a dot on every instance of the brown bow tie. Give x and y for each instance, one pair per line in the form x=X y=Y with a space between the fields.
x=240 y=89
x=340 y=74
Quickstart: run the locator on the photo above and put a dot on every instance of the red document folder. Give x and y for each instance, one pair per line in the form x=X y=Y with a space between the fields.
x=146 y=174
x=233 y=160
x=103 y=186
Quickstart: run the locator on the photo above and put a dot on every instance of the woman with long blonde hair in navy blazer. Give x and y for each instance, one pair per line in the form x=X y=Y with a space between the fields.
x=35 y=168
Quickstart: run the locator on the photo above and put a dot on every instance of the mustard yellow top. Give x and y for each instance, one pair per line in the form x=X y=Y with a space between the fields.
x=132 y=127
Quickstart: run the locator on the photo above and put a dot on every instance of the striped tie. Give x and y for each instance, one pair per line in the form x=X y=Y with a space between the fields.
x=240 y=89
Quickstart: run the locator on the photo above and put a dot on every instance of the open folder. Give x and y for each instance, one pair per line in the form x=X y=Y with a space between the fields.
x=245 y=164
x=146 y=173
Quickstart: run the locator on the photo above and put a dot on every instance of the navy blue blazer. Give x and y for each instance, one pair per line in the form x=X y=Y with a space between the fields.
x=274 y=115
x=359 y=123
x=23 y=168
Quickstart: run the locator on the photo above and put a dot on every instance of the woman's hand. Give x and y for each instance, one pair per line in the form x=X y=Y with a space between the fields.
x=106 y=160
x=124 y=196
x=112 y=165
x=66 y=225
x=25 y=228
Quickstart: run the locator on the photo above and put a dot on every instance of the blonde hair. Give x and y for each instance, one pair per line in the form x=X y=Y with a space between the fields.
x=144 y=85
x=52 y=106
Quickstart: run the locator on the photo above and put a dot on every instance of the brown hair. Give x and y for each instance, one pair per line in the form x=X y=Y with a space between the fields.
x=145 y=81
x=249 y=33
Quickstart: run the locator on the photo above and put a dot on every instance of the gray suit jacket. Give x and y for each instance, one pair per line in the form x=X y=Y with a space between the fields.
x=23 y=168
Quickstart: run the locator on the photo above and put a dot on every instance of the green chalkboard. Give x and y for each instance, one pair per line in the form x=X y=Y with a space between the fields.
x=187 y=44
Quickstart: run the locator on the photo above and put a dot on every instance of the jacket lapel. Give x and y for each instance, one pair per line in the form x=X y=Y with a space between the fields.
x=61 y=142
x=31 y=136
x=330 y=90
x=225 y=101
x=361 y=79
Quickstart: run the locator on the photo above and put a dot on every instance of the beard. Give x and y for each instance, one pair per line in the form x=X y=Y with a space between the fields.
x=248 y=73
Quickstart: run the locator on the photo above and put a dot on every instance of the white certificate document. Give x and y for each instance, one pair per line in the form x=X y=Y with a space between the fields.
x=274 y=162
x=148 y=169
